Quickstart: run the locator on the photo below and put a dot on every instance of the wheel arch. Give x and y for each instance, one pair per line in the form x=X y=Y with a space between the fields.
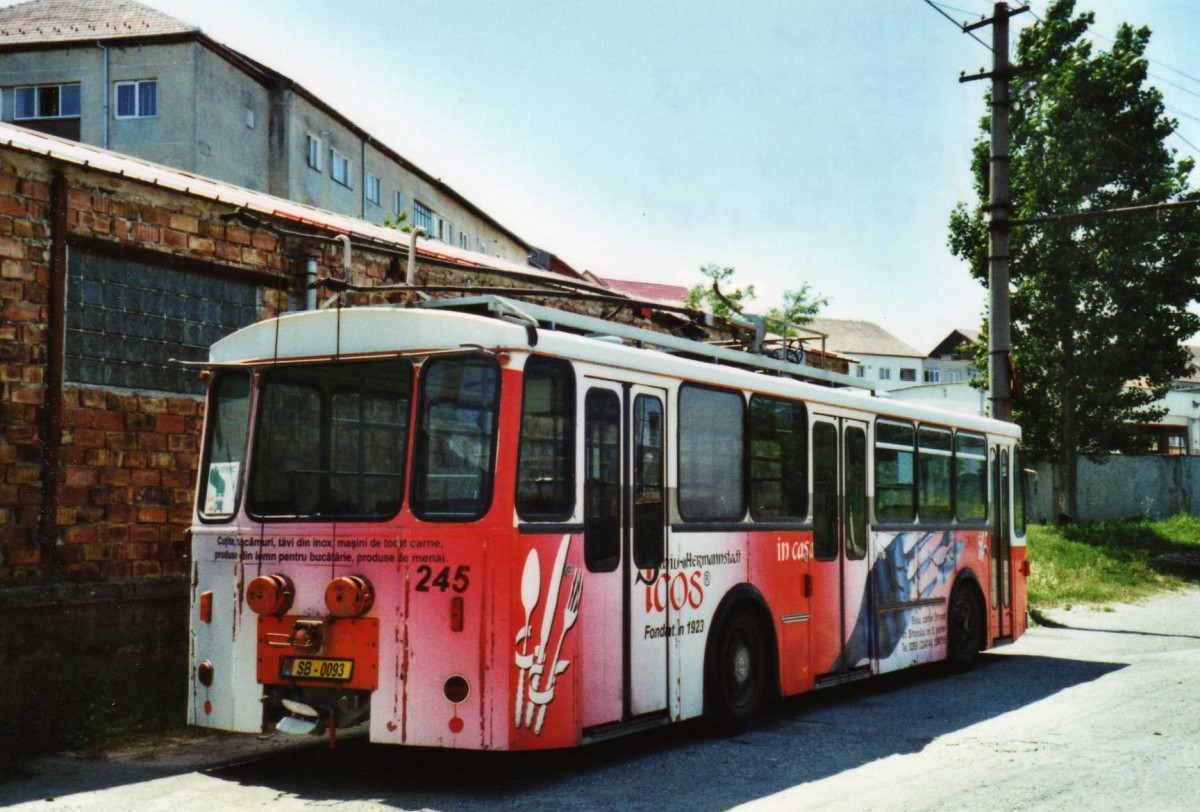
x=744 y=597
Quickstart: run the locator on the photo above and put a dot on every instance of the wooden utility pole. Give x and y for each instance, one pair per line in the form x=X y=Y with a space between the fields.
x=999 y=210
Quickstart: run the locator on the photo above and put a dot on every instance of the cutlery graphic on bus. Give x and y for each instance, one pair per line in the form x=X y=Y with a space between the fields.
x=531 y=585
x=542 y=698
x=539 y=662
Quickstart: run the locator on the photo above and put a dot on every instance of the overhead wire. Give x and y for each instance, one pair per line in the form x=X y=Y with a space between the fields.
x=938 y=8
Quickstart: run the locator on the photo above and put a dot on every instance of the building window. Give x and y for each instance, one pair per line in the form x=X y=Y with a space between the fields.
x=933 y=376
x=397 y=204
x=339 y=168
x=137 y=99
x=422 y=217
x=908 y=374
x=373 y=189
x=464 y=241
x=445 y=231
x=314 y=151
x=885 y=373
x=860 y=371
x=47 y=101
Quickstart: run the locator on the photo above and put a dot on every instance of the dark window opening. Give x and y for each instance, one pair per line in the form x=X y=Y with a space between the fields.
x=778 y=458
x=602 y=481
x=331 y=441
x=546 y=461
x=895 y=481
x=454 y=457
x=225 y=446
x=649 y=502
x=712 y=427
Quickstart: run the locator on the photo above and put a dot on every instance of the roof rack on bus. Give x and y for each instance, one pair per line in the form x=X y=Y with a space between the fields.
x=534 y=316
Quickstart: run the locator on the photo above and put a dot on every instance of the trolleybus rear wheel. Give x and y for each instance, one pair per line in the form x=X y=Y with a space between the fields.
x=965 y=627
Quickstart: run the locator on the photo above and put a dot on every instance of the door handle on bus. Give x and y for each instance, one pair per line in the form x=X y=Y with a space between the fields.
x=808 y=588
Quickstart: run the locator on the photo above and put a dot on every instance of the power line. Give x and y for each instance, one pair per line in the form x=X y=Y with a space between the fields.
x=938 y=8
x=1184 y=140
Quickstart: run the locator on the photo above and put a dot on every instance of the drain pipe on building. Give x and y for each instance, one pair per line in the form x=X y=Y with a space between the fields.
x=107 y=91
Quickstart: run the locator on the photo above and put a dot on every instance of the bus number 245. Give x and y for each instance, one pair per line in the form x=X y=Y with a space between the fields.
x=442 y=581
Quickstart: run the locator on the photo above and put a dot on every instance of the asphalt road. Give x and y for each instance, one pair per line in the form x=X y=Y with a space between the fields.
x=1098 y=713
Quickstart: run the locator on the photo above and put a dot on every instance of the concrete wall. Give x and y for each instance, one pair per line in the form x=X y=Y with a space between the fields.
x=215 y=120
x=1124 y=487
x=233 y=123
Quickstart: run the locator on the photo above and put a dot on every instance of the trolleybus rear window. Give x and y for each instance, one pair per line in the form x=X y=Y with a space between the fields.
x=455 y=447
x=331 y=441
x=225 y=449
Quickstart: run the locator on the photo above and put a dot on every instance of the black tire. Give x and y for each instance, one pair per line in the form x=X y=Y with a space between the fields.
x=737 y=678
x=965 y=622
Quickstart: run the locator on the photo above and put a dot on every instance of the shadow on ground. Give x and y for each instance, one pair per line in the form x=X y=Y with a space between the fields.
x=803 y=740
x=680 y=767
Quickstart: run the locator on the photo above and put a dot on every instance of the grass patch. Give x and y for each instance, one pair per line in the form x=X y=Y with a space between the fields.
x=1112 y=562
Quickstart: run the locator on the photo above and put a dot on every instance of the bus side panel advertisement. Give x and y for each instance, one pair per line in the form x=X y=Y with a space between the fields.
x=912 y=575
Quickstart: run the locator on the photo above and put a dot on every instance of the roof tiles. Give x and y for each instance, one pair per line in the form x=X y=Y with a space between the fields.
x=41 y=21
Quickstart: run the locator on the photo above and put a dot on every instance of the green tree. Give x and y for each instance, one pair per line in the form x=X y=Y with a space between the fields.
x=703 y=297
x=1100 y=306
x=798 y=308
x=397 y=221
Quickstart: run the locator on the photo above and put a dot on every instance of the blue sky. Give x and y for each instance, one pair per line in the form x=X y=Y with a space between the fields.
x=819 y=141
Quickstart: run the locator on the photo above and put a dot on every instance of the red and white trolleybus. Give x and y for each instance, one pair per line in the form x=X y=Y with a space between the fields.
x=489 y=525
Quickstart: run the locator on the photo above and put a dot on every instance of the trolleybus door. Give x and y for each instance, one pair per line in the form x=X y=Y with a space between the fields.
x=624 y=661
x=841 y=616
x=1001 y=571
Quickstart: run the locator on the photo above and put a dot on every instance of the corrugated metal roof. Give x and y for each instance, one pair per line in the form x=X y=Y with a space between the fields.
x=113 y=163
x=862 y=338
x=652 y=291
x=84 y=20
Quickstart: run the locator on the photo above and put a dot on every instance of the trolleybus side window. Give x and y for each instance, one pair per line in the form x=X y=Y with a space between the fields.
x=712 y=428
x=895 y=499
x=778 y=451
x=455 y=445
x=649 y=504
x=970 y=477
x=825 y=491
x=225 y=449
x=602 y=480
x=856 y=493
x=1022 y=488
x=934 y=456
x=546 y=462
x=331 y=441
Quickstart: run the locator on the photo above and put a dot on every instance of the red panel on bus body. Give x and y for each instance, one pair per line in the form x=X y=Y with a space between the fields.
x=346 y=655
x=779 y=567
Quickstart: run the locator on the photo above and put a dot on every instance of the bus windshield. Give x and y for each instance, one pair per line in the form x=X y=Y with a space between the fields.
x=331 y=441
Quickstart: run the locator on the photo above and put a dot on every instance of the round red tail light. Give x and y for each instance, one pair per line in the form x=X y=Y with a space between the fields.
x=349 y=596
x=270 y=594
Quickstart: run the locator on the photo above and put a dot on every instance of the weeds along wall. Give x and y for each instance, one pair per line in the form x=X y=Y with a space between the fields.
x=102 y=279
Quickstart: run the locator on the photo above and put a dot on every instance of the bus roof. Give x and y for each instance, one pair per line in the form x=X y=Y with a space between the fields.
x=494 y=323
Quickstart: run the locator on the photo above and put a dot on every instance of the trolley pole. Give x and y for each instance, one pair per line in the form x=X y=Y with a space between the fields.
x=999 y=210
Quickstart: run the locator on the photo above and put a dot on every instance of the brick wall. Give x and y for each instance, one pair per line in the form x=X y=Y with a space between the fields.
x=127 y=458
